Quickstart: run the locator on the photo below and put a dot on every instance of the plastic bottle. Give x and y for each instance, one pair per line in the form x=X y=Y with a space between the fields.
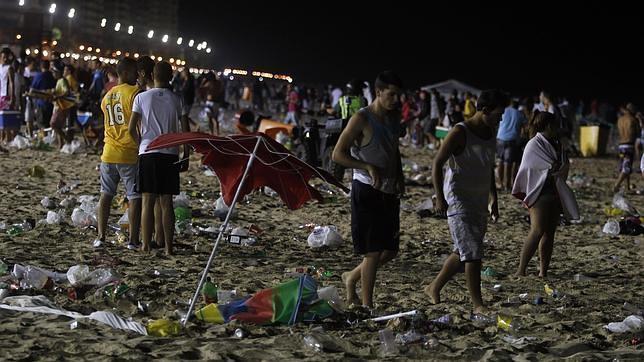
x=34 y=278
x=481 y=320
x=611 y=228
x=209 y=291
x=182 y=214
x=387 y=342
x=313 y=343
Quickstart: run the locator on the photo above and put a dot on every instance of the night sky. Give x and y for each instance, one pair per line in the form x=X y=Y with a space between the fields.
x=585 y=50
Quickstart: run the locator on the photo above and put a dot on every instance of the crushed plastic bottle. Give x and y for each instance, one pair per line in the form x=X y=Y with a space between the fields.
x=163 y=328
x=313 y=343
x=611 y=228
x=446 y=319
x=481 y=320
x=387 y=342
x=409 y=337
x=34 y=278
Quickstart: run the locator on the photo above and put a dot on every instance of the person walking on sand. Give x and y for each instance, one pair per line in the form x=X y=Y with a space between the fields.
x=119 y=158
x=469 y=193
x=541 y=184
x=628 y=127
x=158 y=111
x=369 y=145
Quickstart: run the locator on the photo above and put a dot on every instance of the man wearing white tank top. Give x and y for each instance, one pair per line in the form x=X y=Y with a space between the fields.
x=468 y=192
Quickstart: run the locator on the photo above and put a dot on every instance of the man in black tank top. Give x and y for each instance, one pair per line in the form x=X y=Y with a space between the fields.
x=375 y=204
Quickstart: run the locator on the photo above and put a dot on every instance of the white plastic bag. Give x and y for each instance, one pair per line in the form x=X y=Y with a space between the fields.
x=632 y=323
x=71 y=148
x=80 y=275
x=181 y=200
x=47 y=203
x=55 y=217
x=324 y=236
x=80 y=218
x=19 y=142
x=611 y=227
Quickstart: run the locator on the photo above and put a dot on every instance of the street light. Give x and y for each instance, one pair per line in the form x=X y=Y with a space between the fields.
x=103 y=22
x=21 y=3
x=130 y=29
x=165 y=38
x=71 y=13
x=150 y=34
x=191 y=43
x=18 y=36
x=117 y=27
x=208 y=50
x=52 y=8
x=179 y=40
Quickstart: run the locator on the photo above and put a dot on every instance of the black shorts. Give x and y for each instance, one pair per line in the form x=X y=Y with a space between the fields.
x=158 y=174
x=429 y=125
x=375 y=219
x=508 y=151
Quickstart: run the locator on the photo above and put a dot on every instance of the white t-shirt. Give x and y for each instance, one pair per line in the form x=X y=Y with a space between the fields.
x=160 y=111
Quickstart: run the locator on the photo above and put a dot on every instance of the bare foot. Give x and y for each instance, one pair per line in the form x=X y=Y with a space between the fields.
x=481 y=309
x=352 y=296
x=433 y=294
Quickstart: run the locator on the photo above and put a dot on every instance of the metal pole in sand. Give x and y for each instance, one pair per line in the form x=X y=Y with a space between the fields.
x=221 y=231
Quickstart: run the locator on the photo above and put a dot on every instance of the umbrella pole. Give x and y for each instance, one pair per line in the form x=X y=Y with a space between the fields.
x=221 y=232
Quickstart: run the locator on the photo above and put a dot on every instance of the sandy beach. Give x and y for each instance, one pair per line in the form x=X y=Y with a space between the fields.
x=570 y=326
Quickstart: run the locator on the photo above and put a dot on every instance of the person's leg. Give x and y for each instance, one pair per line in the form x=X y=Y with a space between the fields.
x=473 y=279
x=109 y=178
x=451 y=267
x=168 y=221
x=159 y=232
x=104 y=204
x=147 y=219
x=515 y=170
x=352 y=277
x=134 y=216
x=368 y=277
x=538 y=224
x=548 y=239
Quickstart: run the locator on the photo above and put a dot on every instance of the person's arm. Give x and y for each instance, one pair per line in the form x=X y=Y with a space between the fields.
x=494 y=201
x=342 y=155
x=135 y=119
x=454 y=141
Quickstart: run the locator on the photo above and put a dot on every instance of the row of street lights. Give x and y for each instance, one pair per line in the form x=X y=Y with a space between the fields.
x=130 y=29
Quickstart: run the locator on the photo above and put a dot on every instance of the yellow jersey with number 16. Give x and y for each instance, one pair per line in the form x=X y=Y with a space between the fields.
x=117 y=110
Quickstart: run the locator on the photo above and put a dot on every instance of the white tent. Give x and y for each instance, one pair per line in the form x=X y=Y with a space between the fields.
x=447 y=87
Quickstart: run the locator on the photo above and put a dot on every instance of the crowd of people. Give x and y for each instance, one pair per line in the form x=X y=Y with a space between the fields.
x=494 y=143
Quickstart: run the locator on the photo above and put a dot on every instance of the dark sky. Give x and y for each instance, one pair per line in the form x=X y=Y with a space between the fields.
x=584 y=49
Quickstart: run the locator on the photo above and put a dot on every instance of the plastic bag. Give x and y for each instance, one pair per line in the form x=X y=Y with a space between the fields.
x=620 y=202
x=324 y=236
x=71 y=148
x=81 y=218
x=181 y=200
x=611 y=227
x=19 y=142
x=632 y=323
x=55 y=217
x=80 y=275
x=47 y=203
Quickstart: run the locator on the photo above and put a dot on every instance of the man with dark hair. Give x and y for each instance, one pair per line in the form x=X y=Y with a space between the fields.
x=468 y=187
x=145 y=67
x=159 y=111
x=369 y=145
x=119 y=158
x=44 y=82
x=98 y=80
